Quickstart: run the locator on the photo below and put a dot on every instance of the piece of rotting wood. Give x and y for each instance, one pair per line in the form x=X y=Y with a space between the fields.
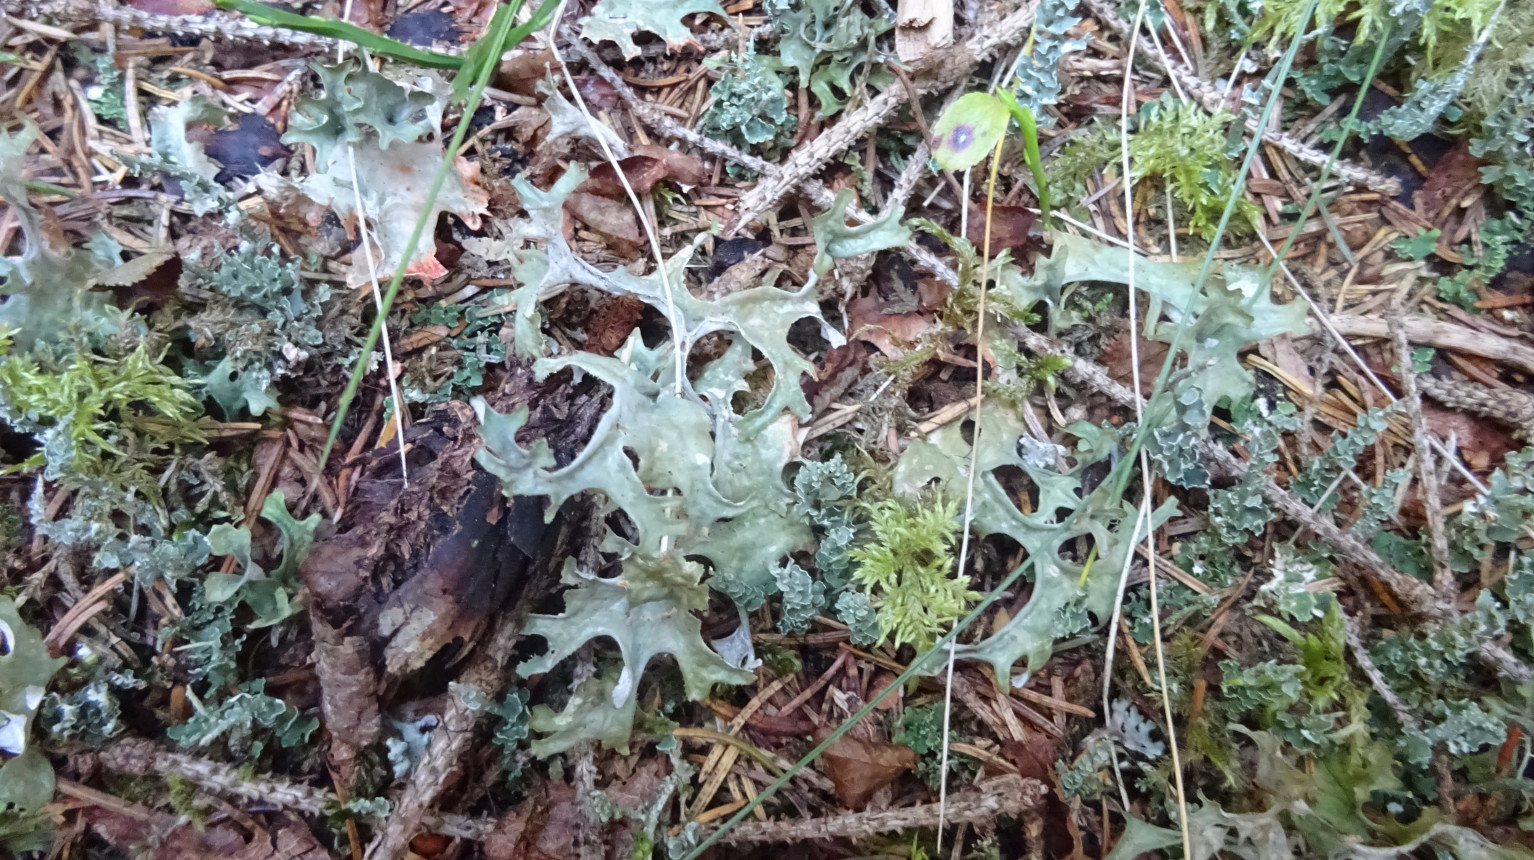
x=921 y=27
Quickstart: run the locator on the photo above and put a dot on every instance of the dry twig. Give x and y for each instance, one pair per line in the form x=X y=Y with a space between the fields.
x=1005 y=795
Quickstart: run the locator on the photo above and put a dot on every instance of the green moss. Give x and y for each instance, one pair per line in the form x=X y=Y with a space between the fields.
x=1184 y=146
x=907 y=567
x=98 y=417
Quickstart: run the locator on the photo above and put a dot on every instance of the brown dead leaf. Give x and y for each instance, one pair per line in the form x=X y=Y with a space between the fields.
x=285 y=840
x=598 y=93
x=680 y=167
x=546 y=826
x=1034 y=757
x=367 y=14
x=642 y=171
x=612 y=218
x=1482 y=442
x=648 y=165
x=1281 y=350
x=859 y=768
x=521 y=71
x=1010 y=226
x=844 y=366
x=1116 y=358
x=143 y=283
x=932 y=294
x=867 y=322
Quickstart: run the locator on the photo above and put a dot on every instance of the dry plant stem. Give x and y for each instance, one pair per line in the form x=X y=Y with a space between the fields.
x=1006 y=795
x=974 y=462
x=1427 y=472
x=1146 y=475
x=1507 y=405
x=1376 y=679
x=223 y=26
x=664 y=124
x=1212 y=99
x=1441 y=334
x=947 y=68
x=138 y=757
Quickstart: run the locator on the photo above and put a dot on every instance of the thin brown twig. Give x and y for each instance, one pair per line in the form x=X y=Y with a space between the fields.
x=926 y=132
x=139 y=757
x=947 y=68
x=1427 y=474
x=1007 y=795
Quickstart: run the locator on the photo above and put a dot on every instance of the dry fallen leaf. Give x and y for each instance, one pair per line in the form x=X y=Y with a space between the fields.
x=521 y=71
x=859 y=768
x=648 y=165
x=1034 y=756
x=888 y=332
x=612 y=218
x=1455 y=173
x=1010 y=226
x=612 y=323
x=1116 y=358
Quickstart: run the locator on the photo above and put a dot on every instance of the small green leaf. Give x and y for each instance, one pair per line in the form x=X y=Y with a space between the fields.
x=969 y=130
x=1418 y=246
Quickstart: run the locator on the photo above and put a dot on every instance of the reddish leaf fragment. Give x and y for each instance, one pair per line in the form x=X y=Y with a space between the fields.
x=859 y=768
x=521 y=71
x=546 y=826
x=680 y=167
x=889 y=332
x=1035 y=756
x=844 y=365
x=612 y=324
x=1117 y=359
x=1483 y=443
x=598 y=93
x=1455 y=173
x=143 y=284
x=1010 y=226
x=648 y=165
x=642 y=171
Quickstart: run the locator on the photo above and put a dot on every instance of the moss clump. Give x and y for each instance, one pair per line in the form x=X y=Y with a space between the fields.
x=907 y=568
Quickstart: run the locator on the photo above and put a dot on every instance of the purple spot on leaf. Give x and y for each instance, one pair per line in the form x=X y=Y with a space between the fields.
x=961 y=137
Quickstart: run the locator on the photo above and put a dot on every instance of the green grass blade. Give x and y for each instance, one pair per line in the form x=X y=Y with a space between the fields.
x=382 y=46
x=501 y=34
x=1326 y=169
x=1281 y=74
